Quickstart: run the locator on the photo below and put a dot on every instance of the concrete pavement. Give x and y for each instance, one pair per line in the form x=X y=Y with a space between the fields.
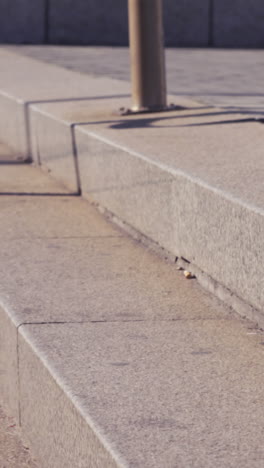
x=190 y=180
x=111 y=356
x=220 y=77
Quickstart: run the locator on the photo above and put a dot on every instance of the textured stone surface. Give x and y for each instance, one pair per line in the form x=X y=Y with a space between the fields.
x=80 y=280
x=47 y=217
x=184 y=393
x=187 y=182
x=9 y=396
x=14 y=451
x=22 y=21
x=238 y=23
x=68 y=254
x=122 y=361
x=135 y=166
x=61 y=434
x=17 y=178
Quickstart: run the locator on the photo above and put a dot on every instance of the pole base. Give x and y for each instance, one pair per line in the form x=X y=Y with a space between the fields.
x=124 y=111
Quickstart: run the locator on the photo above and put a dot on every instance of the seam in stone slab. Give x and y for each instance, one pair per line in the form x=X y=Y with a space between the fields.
x=154 y=320
x=75 y=401
x=39 y=194
x=75 y=159
x=18 y=379
x=61 y=237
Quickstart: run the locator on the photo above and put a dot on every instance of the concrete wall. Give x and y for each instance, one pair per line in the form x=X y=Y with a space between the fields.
x=220 y=23
x=22 y=21
x=238 y=23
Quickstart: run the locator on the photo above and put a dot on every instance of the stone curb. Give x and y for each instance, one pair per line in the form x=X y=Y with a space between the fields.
x=184 y=201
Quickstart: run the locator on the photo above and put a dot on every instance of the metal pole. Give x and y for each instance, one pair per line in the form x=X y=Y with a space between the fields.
x=147 y=55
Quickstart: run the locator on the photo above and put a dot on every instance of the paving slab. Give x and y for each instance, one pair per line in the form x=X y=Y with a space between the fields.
x=110 y=356
x=62 y=280
x=182 y=394
x=220 y=77
x=45 y=216
x=13 y=182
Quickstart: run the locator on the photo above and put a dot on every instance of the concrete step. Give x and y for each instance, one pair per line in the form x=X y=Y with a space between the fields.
x=189 y=180
x=109 y=356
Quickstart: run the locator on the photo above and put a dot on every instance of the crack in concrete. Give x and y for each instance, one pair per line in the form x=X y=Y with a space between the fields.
x=157 y=320
x=61 y=238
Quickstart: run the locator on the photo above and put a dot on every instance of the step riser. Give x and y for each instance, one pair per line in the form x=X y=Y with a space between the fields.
x=48 y=414
x=9 y=364
x=186 y=217
x=14 y=128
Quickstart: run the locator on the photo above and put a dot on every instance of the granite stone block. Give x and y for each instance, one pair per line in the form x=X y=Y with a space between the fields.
x=155 y=394
x=185 y=180
x=60 y=434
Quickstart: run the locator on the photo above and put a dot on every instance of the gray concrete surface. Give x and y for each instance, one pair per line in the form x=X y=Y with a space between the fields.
x=153 y=172
x=145 y=171
x=38 y=229
x=188 y=186
x=228 y=78
x=184 y=393
x=14 y=451
x=121 y=360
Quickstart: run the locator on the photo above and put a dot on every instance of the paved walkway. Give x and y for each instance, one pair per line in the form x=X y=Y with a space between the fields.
x=220 y=77
x=163 y=373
